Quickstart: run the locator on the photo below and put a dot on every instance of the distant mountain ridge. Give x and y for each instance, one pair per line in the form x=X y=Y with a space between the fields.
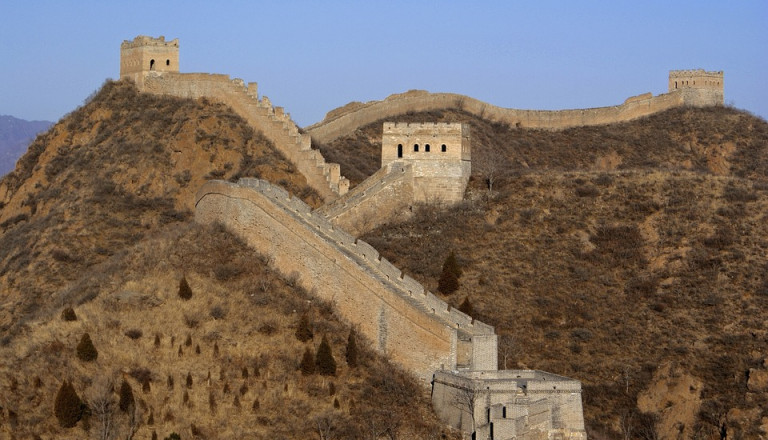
x=15 y=136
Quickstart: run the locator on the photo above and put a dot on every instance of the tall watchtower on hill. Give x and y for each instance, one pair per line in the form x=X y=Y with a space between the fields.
x=439 y=153
x=146 y=54
x=699 y=87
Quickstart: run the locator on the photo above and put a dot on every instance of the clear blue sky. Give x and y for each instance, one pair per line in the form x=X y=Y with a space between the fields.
x=313 y=56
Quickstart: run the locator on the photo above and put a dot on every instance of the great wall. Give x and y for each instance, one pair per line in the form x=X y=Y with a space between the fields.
x=447 y=349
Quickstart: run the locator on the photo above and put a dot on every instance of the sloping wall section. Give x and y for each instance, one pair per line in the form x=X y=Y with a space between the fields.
x=323 y=177
x=409 y=324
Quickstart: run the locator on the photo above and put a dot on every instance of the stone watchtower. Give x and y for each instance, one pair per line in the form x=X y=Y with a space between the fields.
x=439 y=154
x=699 y=87
x=146 y=54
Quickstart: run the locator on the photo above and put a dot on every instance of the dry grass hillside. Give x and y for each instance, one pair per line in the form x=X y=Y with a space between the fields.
x=97 y=218
x=631 y=257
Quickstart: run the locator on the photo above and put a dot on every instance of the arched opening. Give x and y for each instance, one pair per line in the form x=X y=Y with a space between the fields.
x=416 y=147
x=167 y=62
x=675 y=84
x=399 y=150
x=443 y=148
x=426 y=148
x=151 y=64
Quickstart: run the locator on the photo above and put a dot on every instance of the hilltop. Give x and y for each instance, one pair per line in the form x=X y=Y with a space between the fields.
x=96 y=218
x=629 y=256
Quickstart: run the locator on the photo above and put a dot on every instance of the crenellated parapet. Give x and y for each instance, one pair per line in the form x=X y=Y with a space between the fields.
x=405 y=321
x=152 y=63
x=348 y=118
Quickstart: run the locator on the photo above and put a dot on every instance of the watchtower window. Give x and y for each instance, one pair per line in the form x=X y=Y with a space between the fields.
x=443 y=148
x=503 y=412
x=416 y=147
x=426 y=148
x=675 y=84
x=399 y=150
x=151 y=64
x=167 y=62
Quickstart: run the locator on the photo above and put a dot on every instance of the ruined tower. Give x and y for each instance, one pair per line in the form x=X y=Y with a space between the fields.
x=699 y=87
x=440 y=154
x=146 y=54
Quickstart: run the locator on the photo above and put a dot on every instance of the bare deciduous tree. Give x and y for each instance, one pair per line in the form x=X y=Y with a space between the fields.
x=465 y=399
x=101 y=400
x=492 y=165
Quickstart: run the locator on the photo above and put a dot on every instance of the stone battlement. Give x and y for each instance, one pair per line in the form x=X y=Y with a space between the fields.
x=143 y=40
x=409 y=323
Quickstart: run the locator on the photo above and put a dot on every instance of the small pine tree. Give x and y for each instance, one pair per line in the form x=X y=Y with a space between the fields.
x=189 y=379
x=236 y=402
x=126 y=397
x=188 y=342
x=466 y=307
x=326 y=364
x=173 y=436
x=68 y=314
x=68 y=408
x=304 y=330
x=245 y=372
x=256 y=372
x=243 y=389
x=451 y=264
x=449 y=277
x=154 y=435
x=212 y=401
x=307 y=365
x=85 y=349
x=145 y=387
x=336 y=403
x=351 y=349
x=151 y=418
x=185 y=292
x=215 y=349
x=197 y=349
x=157 y=339
x=255 y=405
x=170 y=382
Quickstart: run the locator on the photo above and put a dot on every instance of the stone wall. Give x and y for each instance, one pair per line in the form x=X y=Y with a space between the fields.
x=524 y=403
x=349 y=118
x=323 y=177
x=412 y=326
x=144 y=54
x=384 y=197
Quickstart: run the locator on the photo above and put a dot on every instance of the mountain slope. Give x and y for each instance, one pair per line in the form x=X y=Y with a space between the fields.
x=15 y=135
x=97 y=217
x=629 y=256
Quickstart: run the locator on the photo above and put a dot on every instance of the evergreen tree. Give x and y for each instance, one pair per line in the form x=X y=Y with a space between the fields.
x=307 y=365
x=326 y=364
x=126 y=397
x=466 y=307
x=351 y=349
x=448 y=282
x=449 y=277
x=85 y=349
x=304 y=330
x=68 y=314
x=185 y=292
x=68 y=408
